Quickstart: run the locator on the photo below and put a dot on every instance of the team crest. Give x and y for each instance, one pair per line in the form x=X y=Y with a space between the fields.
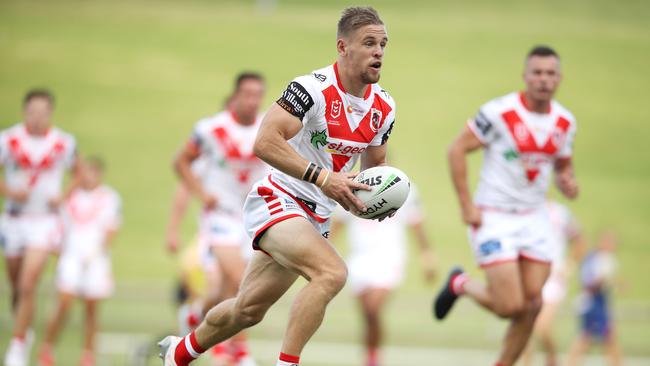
x=375 y=119
x=521 y=132
x=335 y=110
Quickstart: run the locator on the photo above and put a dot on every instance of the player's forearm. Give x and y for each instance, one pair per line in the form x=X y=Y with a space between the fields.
x=109 y=237
x=458 y=170
x=184 y=171
x=179 y=206
x=273 y=148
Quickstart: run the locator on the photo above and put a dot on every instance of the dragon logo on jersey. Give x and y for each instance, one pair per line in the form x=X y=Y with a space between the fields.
x=318 y=138
x=335 y=112
x=375 y=119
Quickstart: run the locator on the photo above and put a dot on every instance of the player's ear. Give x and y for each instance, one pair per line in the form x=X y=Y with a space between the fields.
x=341 y=47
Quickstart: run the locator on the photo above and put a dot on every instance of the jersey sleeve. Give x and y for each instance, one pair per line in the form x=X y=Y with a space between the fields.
x=566 y=150
x=113 y=214
x=4 y=153
x=199 y=137
x=301 y=98
x=483 y=124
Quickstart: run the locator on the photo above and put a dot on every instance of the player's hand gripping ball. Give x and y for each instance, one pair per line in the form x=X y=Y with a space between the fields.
x=389 y=189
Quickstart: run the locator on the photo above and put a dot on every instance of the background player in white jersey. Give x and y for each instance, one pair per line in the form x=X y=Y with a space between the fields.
x=312 y=136
x=34 y=156
x=378 y=253
x=224 y=143
x=565 y=236
x=92 y=217
x=524 y=136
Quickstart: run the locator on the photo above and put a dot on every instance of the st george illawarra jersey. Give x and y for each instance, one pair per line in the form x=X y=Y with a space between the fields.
x=520 y=149
x=35 y=164
x=228 y=167
x=337 y=129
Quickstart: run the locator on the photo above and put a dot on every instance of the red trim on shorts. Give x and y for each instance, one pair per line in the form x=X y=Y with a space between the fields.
x=266 y=226
x=302 y=205
x=533 y=259
x=274 y=205
x=497 y=262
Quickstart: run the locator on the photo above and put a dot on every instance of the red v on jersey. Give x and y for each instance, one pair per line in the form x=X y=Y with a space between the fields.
x=525 y=141
x=338 y=126
x=232 y=151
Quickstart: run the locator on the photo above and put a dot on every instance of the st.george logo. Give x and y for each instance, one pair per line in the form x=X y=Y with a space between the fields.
x=375 y=119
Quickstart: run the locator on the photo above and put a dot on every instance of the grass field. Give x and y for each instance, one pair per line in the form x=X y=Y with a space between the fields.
x=131 y=77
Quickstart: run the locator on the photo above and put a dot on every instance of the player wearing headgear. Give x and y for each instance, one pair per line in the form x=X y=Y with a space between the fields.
x=91 y=217
x=312 y=137
x=34 y=156
x=525 y=137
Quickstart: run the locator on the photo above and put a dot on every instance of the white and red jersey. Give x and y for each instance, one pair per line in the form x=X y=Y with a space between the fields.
x=565 y=229
x=228 y=165
x=88 y=215
x=520 y=149
x=337 y=128
x=35 y=164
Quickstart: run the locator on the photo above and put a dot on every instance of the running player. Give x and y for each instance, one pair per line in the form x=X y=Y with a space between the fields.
x=524 y=136
x=597 y=273
x=224 y=143
x=377 y=261
x=566 y=235
x=92 y=217
x=34 y=156
x=323 y=122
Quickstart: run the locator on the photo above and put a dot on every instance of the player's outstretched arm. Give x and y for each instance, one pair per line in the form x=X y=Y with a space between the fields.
x=565 y=178
x=465 y=143
x=272 y=147
x=183 y=167
x=179 y=208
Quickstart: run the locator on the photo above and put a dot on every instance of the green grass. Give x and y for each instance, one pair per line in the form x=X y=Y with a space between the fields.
x=131 y=77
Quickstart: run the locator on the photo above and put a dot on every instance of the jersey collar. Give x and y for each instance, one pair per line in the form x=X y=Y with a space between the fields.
x=522 y=99
x=340 y=85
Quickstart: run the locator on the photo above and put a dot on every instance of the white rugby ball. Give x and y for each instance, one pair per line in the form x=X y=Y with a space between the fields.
x=389 y=189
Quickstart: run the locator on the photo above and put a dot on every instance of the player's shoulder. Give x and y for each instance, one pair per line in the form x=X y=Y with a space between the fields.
x=62 y=135
x=110 y=192
x=12 y=130
x=563 y=112
x=383 y=95
x=318 y=79
x=501 y=103
x=210 y=122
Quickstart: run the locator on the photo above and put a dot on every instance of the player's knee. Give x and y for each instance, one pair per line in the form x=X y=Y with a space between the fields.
x=533 y=306
x=26 y=289
x=333 y=280
x=510 y=309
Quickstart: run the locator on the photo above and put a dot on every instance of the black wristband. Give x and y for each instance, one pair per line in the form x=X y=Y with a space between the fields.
x=314 y=177
x=309 y=171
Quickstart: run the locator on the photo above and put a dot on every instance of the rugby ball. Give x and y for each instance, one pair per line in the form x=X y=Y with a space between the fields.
x=389 y=189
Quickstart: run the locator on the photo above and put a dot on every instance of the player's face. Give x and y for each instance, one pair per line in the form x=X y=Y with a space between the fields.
x=365 y=52
x=542 y=77
x=247 y=99
x=38 y=115
x=89 y=175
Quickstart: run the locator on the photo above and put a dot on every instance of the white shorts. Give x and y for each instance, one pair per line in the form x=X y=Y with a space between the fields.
x=555 y=289
x=88 y=279
x=222 y=229
x=505 y=237
x=379 y=272
x=34 y=231
x=268 y=203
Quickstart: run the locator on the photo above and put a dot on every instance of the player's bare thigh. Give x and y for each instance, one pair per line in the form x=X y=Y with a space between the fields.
x=295 y=244
x=533 y=277
x=230 y=262
x=505 y=288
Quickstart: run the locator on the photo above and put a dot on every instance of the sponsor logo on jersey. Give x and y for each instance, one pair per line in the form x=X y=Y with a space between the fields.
x=296 y=100
x=511 y=155
x=310 y=204
x=318 y=138
x=320 y=77
x=490 y=247
x=386 y=135
x=335 y=111
x=326 y=234
x=343 y=149
x=375 y=119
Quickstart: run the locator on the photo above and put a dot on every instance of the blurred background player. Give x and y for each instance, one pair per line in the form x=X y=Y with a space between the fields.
x=225 y=143
x=378 y=254
x=34 y=156
x=92 y=217
x=524 y=136
x=597 y=275
x=566 y=235
x=313 y=136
